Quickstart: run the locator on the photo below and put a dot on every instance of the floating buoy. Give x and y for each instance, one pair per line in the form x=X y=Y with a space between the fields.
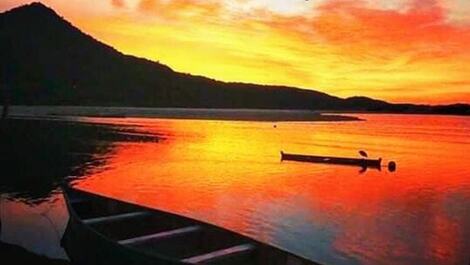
x=392 y=166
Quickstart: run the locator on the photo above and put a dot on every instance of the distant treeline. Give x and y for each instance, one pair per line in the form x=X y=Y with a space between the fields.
x=45 y=60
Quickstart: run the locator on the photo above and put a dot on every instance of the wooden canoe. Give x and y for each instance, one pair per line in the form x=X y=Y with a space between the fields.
x=361 y=162
x=103 y=231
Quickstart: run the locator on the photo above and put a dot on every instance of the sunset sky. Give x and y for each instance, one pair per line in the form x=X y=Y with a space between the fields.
x=397 y=50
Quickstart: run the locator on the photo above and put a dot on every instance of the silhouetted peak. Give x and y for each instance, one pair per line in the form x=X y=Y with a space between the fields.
x=33 y=8
x=37 y=5
x=32 y=16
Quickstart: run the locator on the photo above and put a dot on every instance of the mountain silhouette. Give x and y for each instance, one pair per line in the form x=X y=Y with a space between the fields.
x=45 y=60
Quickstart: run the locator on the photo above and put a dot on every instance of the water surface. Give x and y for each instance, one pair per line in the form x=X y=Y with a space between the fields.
x=230 y=174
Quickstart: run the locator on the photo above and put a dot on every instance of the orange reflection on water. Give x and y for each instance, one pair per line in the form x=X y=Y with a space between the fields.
x=230 y=174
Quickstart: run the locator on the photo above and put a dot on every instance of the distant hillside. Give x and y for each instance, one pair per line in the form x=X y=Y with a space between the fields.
x=373 y=105
x=45 y=60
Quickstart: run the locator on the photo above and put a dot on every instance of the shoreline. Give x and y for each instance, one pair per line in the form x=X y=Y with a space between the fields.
x=267 y=115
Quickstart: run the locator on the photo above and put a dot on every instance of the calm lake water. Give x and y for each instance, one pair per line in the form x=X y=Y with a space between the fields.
x=230 y=174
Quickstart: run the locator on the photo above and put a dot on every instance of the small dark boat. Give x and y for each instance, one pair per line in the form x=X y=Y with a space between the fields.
x=107 y=231
x=361 y=162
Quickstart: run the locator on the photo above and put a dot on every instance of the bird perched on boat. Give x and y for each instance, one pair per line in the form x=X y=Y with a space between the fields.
x=363 y=153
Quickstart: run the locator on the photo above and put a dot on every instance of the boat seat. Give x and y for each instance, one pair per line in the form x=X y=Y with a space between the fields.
x=161 y=235
x=220 y=254
x=117 y=217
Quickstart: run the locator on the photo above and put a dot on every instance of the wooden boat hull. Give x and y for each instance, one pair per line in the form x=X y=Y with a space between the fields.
x=88 y=241
x=85 y=245
x=361 y=162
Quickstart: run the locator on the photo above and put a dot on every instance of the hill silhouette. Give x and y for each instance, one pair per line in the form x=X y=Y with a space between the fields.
x=45 y=60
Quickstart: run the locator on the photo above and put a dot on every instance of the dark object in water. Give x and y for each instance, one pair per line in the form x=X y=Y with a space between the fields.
x=392 y=166
x=362 y=162
x=105 y=231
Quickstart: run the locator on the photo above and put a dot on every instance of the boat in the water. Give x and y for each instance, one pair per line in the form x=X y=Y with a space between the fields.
x=103 y=231
x=361 y=162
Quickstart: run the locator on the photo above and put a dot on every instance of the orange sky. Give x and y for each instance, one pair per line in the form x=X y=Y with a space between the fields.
x=397 y=50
